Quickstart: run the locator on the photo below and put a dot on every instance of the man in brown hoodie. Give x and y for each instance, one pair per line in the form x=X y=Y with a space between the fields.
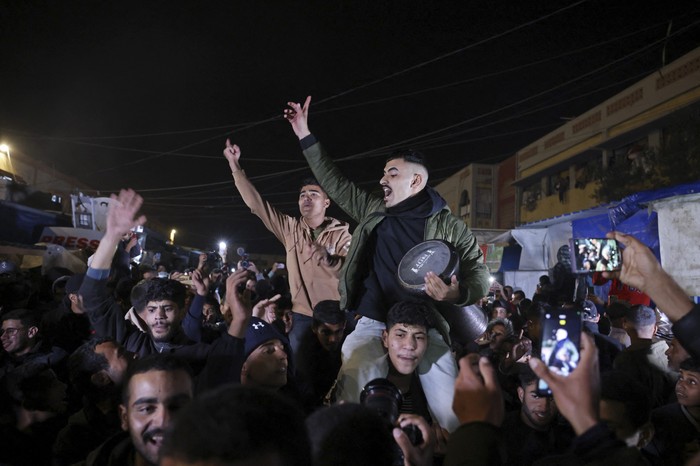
x=316 y=245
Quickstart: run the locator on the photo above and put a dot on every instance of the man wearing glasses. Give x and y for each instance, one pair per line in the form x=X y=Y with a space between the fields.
x=20 y=340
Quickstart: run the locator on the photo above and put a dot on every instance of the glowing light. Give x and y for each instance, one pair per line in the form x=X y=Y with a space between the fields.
x=172 y=235
x=491 y=279
x=222 y=245
x=5 y=148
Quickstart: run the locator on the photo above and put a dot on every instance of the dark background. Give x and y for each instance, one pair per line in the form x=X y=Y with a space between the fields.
x=144 y=94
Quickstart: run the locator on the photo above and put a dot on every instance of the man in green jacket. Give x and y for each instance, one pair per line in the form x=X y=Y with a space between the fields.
x=409 y=213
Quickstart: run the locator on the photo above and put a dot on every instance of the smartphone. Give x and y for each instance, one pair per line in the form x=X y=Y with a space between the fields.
x=280 y=266
x=594 y=255
x=560 y=343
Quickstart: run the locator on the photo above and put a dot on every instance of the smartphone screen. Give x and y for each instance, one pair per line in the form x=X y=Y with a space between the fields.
x=560 y=343
x=594 y=255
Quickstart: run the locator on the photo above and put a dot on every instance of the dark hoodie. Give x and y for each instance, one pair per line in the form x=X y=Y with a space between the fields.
x=403 y=227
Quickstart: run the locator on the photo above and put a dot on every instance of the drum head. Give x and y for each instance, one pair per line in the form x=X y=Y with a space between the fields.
x=429 y=256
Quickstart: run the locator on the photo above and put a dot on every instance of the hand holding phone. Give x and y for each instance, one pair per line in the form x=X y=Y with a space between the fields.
x=594 y=255
x=559 y=343
x=577 y=395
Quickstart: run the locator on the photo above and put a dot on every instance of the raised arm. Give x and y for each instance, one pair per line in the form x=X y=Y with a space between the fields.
x=274 y=220
x=298 y=116
x=641 y=270
x=121 y=218
x=106 y=316
x=240 y=307
x=192 y=322
x=354 y=201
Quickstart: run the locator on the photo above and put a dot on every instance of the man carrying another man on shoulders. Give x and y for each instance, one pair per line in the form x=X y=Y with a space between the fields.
x=409 y=213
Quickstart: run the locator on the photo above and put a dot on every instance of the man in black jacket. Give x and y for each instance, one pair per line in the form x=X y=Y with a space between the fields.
x=156 y=325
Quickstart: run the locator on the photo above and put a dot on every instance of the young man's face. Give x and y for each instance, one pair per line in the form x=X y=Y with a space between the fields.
x=330 y=336
x=154 y=397
x=400 y=181
x=499 y=313
x=16 y=338
x=406 y=345
x=688 y=388
x=497 y=336
x=313 y=201
x=266 y=366
x=208 y=312
x=117 y=360
x=536 y=411
x=162 y=318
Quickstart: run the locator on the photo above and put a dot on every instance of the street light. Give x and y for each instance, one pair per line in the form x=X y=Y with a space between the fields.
x=5 y=149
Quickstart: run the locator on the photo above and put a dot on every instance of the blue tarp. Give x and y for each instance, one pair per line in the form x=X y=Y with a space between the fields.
x=632 y=216
x=23 y=225
x=511 y=258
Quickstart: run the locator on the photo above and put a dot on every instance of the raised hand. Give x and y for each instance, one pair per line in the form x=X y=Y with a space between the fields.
x=121 y=215
x=233 y=154
x=298 y=116
x=238 y=303
x=261 y=308
x=478 y=395
x=577 y=394
x=200 y=283
x=641 y=270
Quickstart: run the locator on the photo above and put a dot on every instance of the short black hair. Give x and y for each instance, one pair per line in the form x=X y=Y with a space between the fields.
x=158 y=289
x=409 y=155
x=27 y=317
x=84 y=362
x=153 y=362
x=210 y=300
x=526 y=376
x=520 y=293
x=410 y=312
x=311 y=181
x=248 y=422
x=328 y=312
x=690 y=364
x=537 y=310
x=622 y=387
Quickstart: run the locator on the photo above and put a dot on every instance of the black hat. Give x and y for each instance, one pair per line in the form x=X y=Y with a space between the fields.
x=617 y=310
x=74 y=282
x=588 y=309
x=260 y=332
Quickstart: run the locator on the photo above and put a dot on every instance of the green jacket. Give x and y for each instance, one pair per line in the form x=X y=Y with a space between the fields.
x=360 y=204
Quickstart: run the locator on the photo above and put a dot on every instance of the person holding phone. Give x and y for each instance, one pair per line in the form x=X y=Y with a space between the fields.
x=478 y=403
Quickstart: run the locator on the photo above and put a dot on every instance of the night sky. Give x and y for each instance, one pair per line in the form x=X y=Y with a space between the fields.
x=144 y=94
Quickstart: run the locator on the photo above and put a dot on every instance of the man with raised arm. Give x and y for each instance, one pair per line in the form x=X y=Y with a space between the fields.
x=316 y=245
x=409 y=213
x=159 y=303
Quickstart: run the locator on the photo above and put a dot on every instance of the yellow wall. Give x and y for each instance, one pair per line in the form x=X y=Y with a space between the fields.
x=550 y=206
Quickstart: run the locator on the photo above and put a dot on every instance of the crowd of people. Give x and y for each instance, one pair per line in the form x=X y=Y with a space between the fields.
x=329 y=360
